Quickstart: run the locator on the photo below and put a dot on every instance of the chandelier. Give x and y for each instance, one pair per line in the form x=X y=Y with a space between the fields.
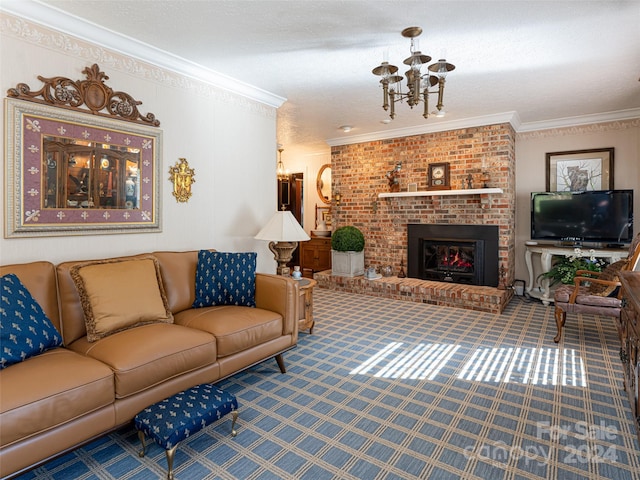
x=282 y=173
x=418 y=84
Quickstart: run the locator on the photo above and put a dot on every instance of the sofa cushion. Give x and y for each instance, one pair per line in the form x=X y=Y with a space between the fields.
x=49 y=390
x=236 y=328
x=25 y=330
x=120 y=294
x=149 y=355
x=224 y=278
x=40 y=279
x=609 y=273
x=178 y=270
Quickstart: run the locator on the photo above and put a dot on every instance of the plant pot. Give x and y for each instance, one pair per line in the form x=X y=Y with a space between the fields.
x=347 y=264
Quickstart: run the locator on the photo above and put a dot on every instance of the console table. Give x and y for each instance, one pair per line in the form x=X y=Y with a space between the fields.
x=546 y=252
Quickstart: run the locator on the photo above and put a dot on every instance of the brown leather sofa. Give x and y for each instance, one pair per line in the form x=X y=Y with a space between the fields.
x=55 y=401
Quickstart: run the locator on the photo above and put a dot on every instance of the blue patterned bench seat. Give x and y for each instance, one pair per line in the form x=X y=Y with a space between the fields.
x=173 y=419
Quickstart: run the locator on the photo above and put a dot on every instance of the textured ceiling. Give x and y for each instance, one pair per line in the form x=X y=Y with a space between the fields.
x=544 y=60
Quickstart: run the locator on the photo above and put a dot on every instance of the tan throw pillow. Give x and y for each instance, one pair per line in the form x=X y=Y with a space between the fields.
x=120 y=294
x=609 y=273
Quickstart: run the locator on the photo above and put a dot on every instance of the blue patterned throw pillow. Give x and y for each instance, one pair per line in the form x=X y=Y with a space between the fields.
x=225 y=279
x=25 y=330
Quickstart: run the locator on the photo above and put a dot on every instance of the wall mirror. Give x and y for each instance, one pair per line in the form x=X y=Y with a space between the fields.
x=70 y=172
x=324 y=183
x=82 y=174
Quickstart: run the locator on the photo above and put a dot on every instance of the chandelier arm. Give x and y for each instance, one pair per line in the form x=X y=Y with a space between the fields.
x=392 y=114
x=385 y=96
x=440 y=93
x=416 y=89
x=425 y=97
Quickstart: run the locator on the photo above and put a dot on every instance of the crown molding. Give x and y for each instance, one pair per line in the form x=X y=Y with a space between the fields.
x=605 y=117
x=53 y=18
x=506 y=117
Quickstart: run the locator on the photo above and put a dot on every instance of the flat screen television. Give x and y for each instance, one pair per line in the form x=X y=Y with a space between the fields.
x=596 y=216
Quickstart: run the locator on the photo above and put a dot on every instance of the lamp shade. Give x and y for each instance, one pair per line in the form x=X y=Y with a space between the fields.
x=283 y=227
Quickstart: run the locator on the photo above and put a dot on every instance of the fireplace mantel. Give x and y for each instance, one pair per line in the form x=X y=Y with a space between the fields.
x=437 y=193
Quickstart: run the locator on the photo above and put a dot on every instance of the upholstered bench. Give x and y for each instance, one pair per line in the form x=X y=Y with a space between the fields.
x=173 y=419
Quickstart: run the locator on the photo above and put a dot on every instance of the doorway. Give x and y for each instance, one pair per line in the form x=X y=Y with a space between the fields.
x=290 y=197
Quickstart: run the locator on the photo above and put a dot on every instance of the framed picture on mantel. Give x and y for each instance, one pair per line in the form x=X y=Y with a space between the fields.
x=438 y=176
x=579 y=170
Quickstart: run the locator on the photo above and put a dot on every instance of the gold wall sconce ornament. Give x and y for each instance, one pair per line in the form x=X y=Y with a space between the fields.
x=182 y=177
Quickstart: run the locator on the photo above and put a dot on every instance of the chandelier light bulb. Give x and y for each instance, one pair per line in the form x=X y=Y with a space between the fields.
x=415 y=45
x=442 y=70
x=416 y=63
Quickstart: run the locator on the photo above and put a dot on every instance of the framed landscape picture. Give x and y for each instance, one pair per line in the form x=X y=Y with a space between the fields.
x=579 y=170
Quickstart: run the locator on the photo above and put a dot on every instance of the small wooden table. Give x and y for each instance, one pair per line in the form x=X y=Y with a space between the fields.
x=305 y=288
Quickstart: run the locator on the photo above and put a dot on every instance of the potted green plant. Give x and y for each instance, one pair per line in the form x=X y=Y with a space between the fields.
x=347 y=252
x=564 y=270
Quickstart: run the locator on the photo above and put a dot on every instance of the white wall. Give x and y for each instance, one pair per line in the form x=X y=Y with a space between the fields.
x=229 y=140
x=531 y=148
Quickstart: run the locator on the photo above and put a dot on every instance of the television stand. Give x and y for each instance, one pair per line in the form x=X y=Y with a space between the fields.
x=542 y=290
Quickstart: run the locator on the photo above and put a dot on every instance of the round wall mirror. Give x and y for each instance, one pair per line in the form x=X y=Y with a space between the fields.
x=324 y=183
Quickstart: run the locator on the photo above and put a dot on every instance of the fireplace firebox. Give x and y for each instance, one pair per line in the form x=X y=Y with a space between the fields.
x=451 y=260
x=466 y=254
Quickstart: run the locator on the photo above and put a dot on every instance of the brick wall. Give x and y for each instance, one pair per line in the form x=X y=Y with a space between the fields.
x=358 y=174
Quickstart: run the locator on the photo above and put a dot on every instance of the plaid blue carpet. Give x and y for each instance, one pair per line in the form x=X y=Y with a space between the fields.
x=398 y=390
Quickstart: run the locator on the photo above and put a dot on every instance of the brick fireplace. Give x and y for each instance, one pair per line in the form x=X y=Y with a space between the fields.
x=358 y=175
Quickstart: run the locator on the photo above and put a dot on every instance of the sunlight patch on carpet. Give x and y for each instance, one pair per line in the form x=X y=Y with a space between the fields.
x=423 y=362
x=535 y=366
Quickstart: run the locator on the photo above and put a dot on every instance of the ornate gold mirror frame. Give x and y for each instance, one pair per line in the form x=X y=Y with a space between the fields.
x=324 y=183
x=76 y=171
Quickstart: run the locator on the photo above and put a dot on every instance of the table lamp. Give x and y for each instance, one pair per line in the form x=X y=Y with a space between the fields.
x=283 y=232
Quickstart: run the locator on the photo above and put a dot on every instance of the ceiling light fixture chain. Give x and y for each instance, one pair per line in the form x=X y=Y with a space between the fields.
x=418 y=84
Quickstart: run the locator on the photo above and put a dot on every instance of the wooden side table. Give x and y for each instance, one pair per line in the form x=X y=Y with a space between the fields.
x=305 y=289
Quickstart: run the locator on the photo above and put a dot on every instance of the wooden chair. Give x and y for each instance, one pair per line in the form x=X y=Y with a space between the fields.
x=581 y=297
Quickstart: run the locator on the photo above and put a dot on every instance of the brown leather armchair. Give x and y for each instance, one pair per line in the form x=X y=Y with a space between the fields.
x=596 y=293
